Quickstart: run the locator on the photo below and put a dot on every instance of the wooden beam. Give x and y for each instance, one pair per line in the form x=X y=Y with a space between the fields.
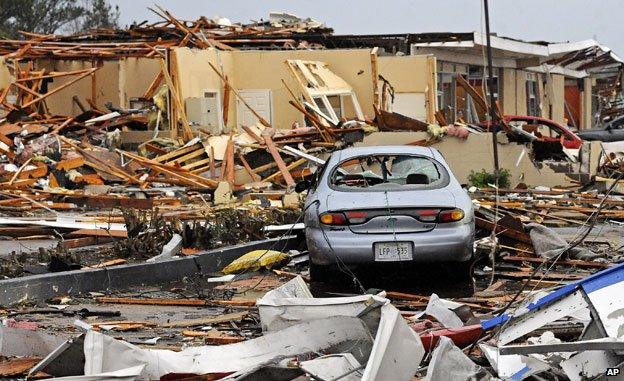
x=187 y=133
x=56 y=90
x=278 y=160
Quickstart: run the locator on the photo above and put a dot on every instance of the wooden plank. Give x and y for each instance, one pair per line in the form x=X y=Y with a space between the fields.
x=69 y=164
x=187 y=133
x=234 y=316
x=251 y=173
x=151 y=301
x=188 y=156
x=176 y=153
x=278 y=160
x=569 y=262
x=375 y=76
x=290 y=167
x=151 y=90
x=61 y=87
x=230 y=161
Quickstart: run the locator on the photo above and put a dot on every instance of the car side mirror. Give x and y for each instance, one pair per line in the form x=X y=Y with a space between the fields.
x=303 y=185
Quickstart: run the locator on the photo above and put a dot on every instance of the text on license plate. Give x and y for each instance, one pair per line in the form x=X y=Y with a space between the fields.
x=393 y=251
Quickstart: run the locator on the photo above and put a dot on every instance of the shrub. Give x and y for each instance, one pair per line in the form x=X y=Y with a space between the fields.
x=482 y=179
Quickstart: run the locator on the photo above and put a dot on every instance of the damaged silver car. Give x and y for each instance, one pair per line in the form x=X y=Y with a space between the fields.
x=387 y=204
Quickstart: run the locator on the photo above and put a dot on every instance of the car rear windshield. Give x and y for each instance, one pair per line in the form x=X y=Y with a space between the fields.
x=389 y=172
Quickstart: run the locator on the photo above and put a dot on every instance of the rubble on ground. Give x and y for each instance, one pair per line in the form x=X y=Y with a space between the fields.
x=98 y=232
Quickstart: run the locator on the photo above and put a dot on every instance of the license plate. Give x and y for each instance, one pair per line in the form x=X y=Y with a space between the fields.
x=393 y=251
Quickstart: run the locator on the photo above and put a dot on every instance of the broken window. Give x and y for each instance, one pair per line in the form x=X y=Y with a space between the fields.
x=478 y=76
x=385 y=172
x=446 y=95
x=324 y=91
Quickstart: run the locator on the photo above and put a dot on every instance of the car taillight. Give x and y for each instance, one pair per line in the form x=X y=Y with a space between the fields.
x=452 y=215
x=356 y=217
x=333 y=219
x=428 y=215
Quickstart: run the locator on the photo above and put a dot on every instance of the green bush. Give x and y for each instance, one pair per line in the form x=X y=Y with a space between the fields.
x=482 y=179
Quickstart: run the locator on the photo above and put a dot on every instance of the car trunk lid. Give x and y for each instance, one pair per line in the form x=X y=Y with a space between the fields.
x=394 y=212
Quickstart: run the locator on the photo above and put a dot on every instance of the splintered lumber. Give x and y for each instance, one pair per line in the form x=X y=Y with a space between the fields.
x=568 y=262
x=253 y=134
x=151 y=301
x=248 y=169
x=227 y=84
x=234 y=316
x=57 y=89
x=214 y=337
x=178 y=173
x=391 y=121
x=278 y=160
x=289 y=168
x=478 y=98
x=187 y=133
x=175 y=153
x=95 y=162
x=151 y=90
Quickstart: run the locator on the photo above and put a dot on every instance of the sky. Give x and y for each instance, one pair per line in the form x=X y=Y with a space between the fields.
x=544 y=20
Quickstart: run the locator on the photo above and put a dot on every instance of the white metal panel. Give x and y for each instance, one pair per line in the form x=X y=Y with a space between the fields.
x=589 y=364
x=411 y=104
x=259 y=100
x=609 y=304
x=535 y=319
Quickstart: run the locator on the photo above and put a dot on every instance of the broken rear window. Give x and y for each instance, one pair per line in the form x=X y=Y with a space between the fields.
x=389 y=172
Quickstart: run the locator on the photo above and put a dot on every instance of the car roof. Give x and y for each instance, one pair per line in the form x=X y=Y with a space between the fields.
x=376 y=150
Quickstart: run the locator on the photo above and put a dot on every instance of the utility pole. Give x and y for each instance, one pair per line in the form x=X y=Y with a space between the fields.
x=494 y=122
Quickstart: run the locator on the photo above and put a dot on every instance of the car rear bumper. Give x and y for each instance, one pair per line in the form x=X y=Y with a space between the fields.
x=439 y=245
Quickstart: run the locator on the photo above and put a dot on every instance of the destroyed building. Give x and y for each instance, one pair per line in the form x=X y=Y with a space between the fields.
x=150 y=228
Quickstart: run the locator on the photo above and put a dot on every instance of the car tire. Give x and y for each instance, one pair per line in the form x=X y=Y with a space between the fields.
x=321 y=273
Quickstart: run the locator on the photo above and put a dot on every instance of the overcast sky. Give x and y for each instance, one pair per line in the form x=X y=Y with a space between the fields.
x=548 y=20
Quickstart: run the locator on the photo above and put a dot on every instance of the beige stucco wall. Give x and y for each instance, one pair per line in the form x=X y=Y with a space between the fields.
x=266 y=69
x=406 y=74
x=411 y=74
x=474 y=154
x=586 y=104
x=509 y=91
x=5 y=75
x=106 y=89
x=135 y=76
x=521 y=106
x=194 y=75
x=558 y=84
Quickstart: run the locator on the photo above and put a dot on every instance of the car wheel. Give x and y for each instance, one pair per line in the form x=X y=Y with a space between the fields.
x=321 y=273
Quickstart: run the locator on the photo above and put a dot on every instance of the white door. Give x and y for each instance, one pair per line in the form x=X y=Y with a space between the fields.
x=259 y=100
x=410 y=104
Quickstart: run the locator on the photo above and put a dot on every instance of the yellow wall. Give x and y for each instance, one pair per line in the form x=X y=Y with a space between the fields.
x=195 y=75
x=406 y=74
x=476 y=153
x=5 y=76
x=520 y=91
x=509 y=92
x=266 y=69
x=558 y=84
x=135 y=76
x=106 y=79
x=411 y=74
x=586 y=104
